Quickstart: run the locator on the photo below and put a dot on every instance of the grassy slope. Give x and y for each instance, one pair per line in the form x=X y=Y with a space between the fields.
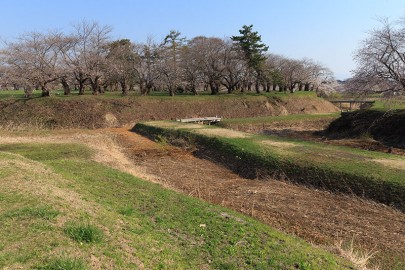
x=111 y=109
x=371 y=174
x=381 y=124
x=281 y=118
x=298 y=122
x=389 y=104
x=46 y=189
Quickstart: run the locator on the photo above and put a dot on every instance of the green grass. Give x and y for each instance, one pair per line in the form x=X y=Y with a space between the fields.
x=86 y=233
x=62 y=264
x=161 y=228
x=335 y=168
x=19 y=94
x=42 y=212
x=16 y=94
x=394 y=104
x=49 y=152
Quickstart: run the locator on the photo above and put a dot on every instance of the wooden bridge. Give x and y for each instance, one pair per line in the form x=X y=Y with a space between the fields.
x=349 y=105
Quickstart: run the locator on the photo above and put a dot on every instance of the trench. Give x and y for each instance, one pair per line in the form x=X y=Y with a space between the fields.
x=320 y=217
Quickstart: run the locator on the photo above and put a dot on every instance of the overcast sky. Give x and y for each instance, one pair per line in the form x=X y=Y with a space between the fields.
x=328 y=31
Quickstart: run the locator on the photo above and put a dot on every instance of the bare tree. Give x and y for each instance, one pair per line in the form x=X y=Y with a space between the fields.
x=34 y=59
x=209 y=53
x=146 y=67
x=381 y=57
x=86 y=54
x=275 y=71
x=236 y=67
x=190 y=66
x=121 y=62
x=169 y=61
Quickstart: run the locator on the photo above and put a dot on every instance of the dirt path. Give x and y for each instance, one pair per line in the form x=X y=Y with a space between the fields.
x=317 y=216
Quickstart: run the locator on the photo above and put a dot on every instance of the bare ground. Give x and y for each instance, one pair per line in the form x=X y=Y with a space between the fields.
x=320 y=217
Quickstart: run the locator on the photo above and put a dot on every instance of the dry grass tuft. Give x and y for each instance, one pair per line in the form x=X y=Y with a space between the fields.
x=359 y=258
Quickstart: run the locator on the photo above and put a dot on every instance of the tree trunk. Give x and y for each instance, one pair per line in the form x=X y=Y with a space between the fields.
x=306 y=87
x=45 y=91
x=95 y=86
x=142 y=87
x=230 y=89
x=81 y=87
x=124 y=88
x=171 y=91
x=66 y=87
x=257 y=87
x=28 y=91
x=193 y=89
x=214 y=88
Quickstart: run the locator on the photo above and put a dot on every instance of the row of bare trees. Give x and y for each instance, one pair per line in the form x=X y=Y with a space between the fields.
x=87 y=57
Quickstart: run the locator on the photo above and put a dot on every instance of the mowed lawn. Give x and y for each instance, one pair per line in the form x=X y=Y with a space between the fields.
x=59 y=209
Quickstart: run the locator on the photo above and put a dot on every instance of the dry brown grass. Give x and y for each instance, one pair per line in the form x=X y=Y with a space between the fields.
x=359 y=258
x=392 y=163
x=223 y=132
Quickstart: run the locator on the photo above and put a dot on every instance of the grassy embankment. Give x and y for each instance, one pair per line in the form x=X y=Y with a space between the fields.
x=381 y=124
x=113 y=110
x=292 y=122
x=61 y=210
x=373 y=175
x=281 y=118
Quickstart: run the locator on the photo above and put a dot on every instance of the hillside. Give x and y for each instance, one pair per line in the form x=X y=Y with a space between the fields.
x=114 y=111
x=385 y=126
